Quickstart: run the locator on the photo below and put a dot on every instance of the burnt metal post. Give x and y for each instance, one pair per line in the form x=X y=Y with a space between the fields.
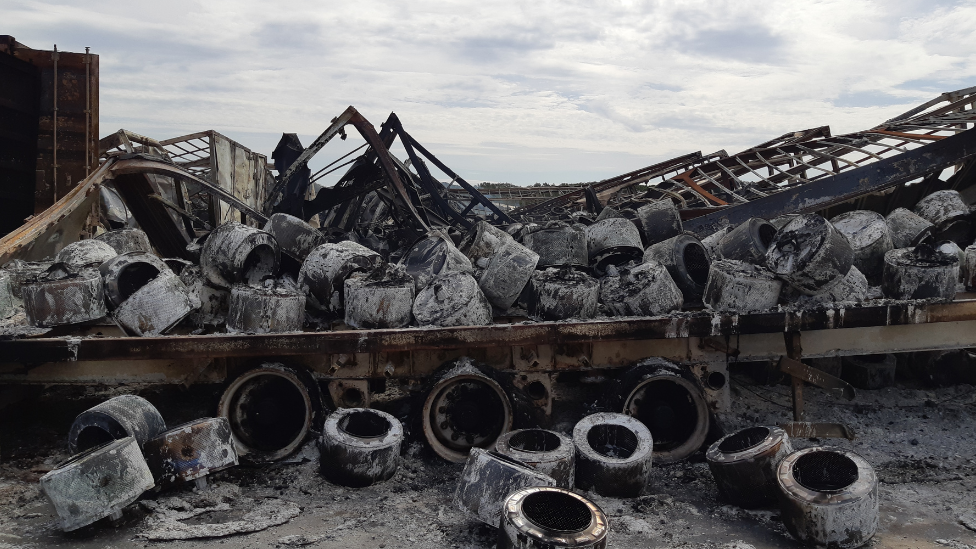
x=54 y=124
x=795 y=351
x=87 y=111
x=434 y=188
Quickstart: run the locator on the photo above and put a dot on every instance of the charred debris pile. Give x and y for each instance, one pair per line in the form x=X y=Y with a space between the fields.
x=804 y=219
x=535 y=487
x=193 y=235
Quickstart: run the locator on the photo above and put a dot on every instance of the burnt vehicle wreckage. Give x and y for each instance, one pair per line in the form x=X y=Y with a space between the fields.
x=184 y=261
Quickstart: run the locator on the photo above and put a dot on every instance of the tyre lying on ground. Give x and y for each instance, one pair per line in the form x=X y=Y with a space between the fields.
x=191 y=451
x=487 y=480
x=97 y=483
x=548 y=452
x=116 y=418
x=613 y=455
x=360 y=447
x=828 y=497
x=744 y=465
x=549 y=518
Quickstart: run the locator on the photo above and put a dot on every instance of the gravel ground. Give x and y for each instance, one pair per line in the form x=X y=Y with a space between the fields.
x=921 y=441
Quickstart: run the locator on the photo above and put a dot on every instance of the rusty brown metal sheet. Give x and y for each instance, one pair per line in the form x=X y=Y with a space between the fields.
x=64 y=222
x=68 y=116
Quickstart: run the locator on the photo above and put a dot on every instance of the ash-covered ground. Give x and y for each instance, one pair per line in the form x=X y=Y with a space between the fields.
x=921 y=442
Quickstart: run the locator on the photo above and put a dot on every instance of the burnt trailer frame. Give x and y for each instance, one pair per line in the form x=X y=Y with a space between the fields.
x=705 y=342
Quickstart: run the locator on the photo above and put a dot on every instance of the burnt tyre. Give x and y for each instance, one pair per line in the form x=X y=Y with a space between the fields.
x=126 y=273
x=748 y=242
x=467 y=405
x=669 y=401
x=613 y=455
x=236 y=253
x=828 y=496
x=97 y=483
x=191 y=451
x=62 y=296
x=547 y=518
x=360 y=447
x=271 y=410
x=744 y=465
x=487 y=480
x=126 y=240
x=545 y=451
x=922 y=272
x=116 y=418
x=686 y=259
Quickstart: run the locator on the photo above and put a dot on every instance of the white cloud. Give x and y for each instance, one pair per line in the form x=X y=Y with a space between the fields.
x=515 y=91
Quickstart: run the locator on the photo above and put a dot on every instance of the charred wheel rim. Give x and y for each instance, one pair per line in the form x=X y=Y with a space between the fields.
x=675 y=411
x=553 y=517
x=270 y=411
x=465 y=411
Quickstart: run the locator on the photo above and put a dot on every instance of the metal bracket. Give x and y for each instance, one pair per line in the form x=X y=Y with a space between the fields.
x=817 y=377
x=802 y=429
x=795 y=351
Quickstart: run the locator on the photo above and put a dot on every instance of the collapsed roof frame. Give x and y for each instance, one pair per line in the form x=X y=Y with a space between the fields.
x=378 y=148
x=818 y=170
x=356 y=183
x=606 y=188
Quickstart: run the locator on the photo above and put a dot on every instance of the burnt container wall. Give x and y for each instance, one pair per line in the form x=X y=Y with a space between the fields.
x=19 y=90
x=74 y=97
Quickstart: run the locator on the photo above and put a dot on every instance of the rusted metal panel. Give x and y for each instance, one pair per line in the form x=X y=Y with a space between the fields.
x=67 y=140
x=112 y=371
x=20 y=84
x=65 y=222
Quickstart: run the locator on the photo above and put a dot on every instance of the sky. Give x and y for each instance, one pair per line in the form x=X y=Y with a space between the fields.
x=519 y=92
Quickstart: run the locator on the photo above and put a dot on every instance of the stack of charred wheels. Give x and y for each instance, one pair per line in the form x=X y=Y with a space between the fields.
x=121 y=449
x=828 y=496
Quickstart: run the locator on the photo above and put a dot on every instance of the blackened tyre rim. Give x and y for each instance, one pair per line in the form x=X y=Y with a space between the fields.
x=233 y=409
x=695 y=436
x=519 y=518
x=447 y=411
